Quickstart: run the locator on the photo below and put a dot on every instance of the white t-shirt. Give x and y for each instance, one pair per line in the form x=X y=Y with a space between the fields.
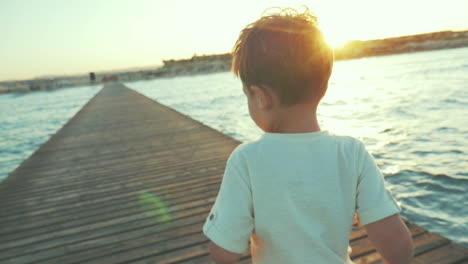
x=298 y=194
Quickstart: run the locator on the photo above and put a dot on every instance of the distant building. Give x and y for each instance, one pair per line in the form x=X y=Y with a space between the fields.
x=92 y=76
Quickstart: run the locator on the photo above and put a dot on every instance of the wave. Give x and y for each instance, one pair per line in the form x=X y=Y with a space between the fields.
x=455 y=101
x=447 y=129
x=437 y=152
x=434 y=185
x=459 y=179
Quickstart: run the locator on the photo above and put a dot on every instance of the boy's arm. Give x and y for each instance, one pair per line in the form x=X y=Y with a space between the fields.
x=222 y=256
x=230 y=221
x=392 y=239
x=378 y=212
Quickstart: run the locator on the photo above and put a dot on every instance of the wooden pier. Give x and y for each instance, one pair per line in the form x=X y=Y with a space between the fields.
x=128 y=180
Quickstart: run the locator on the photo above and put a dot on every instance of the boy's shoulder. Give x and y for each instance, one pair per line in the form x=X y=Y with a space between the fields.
x=347 y=140
x=341 y=141
x=242 y=149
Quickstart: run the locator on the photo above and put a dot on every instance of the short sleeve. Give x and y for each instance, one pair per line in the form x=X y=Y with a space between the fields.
x=373 y=202
x=230 y=221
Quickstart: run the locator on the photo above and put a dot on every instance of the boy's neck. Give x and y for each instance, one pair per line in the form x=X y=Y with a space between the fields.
x=299 y=118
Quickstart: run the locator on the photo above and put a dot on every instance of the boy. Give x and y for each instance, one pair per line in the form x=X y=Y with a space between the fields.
x=295 y=190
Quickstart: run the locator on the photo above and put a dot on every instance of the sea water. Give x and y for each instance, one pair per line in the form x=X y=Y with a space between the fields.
x=411 y=111
x=27 y=120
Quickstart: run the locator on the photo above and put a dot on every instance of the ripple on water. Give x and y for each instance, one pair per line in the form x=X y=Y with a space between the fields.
x=447 y=129
x=437 y=152
x=456 y=102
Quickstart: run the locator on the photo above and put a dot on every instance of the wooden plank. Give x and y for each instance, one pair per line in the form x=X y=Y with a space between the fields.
x=189 y=254
x=114 y=245
x=80 y=233
x=112 y=196
x=447 y=254
x=120 y=177
x=201 y=259
x=78 y=199
x=109 y=209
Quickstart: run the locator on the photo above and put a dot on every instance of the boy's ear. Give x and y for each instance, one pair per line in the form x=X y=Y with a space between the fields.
x=263 y=97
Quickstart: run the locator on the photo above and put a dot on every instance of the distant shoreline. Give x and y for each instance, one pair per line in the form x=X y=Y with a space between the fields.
x=222 y=62
x=403 y=44
x=350 y=50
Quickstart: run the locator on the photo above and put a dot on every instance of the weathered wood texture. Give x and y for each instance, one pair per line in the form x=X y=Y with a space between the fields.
x=129 y=180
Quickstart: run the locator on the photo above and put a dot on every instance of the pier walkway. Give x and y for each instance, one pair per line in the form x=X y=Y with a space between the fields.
x=128 y=180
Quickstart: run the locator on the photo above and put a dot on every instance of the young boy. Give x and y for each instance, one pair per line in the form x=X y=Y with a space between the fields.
x=294 y=192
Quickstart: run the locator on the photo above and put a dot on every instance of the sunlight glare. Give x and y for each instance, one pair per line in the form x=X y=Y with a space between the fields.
x=334 y=38
x=335 y=42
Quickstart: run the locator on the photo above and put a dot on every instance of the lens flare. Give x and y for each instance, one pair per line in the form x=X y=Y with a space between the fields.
x=155 y=206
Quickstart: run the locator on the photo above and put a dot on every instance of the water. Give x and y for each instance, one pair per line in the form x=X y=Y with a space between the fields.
x=27 y=120
x=410 y=110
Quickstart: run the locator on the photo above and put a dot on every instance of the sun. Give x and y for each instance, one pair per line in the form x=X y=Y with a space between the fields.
x=335 y=35
x=335 y=41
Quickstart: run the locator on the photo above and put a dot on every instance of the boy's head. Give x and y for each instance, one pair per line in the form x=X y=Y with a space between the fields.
x=287 y=53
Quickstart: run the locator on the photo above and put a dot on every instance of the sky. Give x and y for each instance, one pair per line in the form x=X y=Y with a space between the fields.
x=57 y=37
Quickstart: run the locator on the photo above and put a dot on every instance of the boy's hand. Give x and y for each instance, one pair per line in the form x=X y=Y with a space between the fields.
x=391 y=238
x=222 y=256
